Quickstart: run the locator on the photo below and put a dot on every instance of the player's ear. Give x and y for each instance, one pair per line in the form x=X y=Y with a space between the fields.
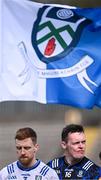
x=36 y=147
x=63 y=145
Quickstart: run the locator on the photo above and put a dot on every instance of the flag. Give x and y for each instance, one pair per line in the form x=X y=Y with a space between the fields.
x=50 y=53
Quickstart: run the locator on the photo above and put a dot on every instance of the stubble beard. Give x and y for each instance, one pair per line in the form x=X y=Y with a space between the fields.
x=25 y=161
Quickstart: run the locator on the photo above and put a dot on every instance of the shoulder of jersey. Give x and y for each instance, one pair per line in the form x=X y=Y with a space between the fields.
x=88 y=164
x=55 y=163
x=9 y=169
x=45 y=169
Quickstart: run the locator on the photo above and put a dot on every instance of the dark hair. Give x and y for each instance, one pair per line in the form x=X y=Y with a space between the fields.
x=26 y=132
x=72 y=128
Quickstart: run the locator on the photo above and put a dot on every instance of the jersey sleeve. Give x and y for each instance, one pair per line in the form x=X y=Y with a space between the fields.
x=93 y=172
x=3 y=174
x=53 y=175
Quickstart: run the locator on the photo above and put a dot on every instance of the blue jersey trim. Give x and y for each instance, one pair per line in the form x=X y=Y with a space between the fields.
x=20 y=166
x=10 y=169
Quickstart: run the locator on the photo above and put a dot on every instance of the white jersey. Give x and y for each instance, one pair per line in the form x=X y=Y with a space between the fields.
x=40 y=171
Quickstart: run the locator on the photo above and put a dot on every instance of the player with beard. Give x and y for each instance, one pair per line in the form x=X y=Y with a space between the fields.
x=27 y=167
x=74 y=164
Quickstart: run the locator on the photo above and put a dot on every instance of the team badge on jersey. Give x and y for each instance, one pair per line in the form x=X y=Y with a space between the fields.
x=56 y=32
x=80 y=173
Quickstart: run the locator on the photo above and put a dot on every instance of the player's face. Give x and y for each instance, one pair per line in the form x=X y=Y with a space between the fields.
x=75 y=145
x=26 y=151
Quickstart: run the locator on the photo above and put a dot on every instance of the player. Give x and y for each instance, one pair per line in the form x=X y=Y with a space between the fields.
x=27 y=167
x=74 y=164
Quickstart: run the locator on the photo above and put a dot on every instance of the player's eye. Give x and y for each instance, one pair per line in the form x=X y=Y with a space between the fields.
x=27 y=148
x=18 y=148
x=84 y=141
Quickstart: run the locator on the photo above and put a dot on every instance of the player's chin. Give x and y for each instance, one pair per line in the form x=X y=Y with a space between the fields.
x=23 y=160
x=80 y=156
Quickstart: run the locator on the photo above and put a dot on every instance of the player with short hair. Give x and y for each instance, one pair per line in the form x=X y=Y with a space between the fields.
x=27 y=167
x=74 y=164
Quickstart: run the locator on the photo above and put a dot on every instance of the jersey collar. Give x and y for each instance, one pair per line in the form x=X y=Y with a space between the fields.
x=20 y=166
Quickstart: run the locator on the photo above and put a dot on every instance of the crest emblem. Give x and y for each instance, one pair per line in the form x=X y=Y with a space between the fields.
x=80 y=173
x=56 y=32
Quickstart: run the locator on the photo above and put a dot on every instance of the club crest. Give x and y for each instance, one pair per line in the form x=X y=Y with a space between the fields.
x=56 y=32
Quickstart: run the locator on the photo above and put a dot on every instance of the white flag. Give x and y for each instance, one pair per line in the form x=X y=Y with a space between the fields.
x=50 y=53
x=19 y=81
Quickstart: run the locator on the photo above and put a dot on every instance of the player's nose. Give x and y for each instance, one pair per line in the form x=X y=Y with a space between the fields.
x=22 y=151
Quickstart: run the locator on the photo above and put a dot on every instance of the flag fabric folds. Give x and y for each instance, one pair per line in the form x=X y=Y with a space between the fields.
x=50 y=53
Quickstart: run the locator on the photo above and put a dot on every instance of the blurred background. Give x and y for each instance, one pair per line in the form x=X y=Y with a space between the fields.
x=48 y=120
x=79 y=3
